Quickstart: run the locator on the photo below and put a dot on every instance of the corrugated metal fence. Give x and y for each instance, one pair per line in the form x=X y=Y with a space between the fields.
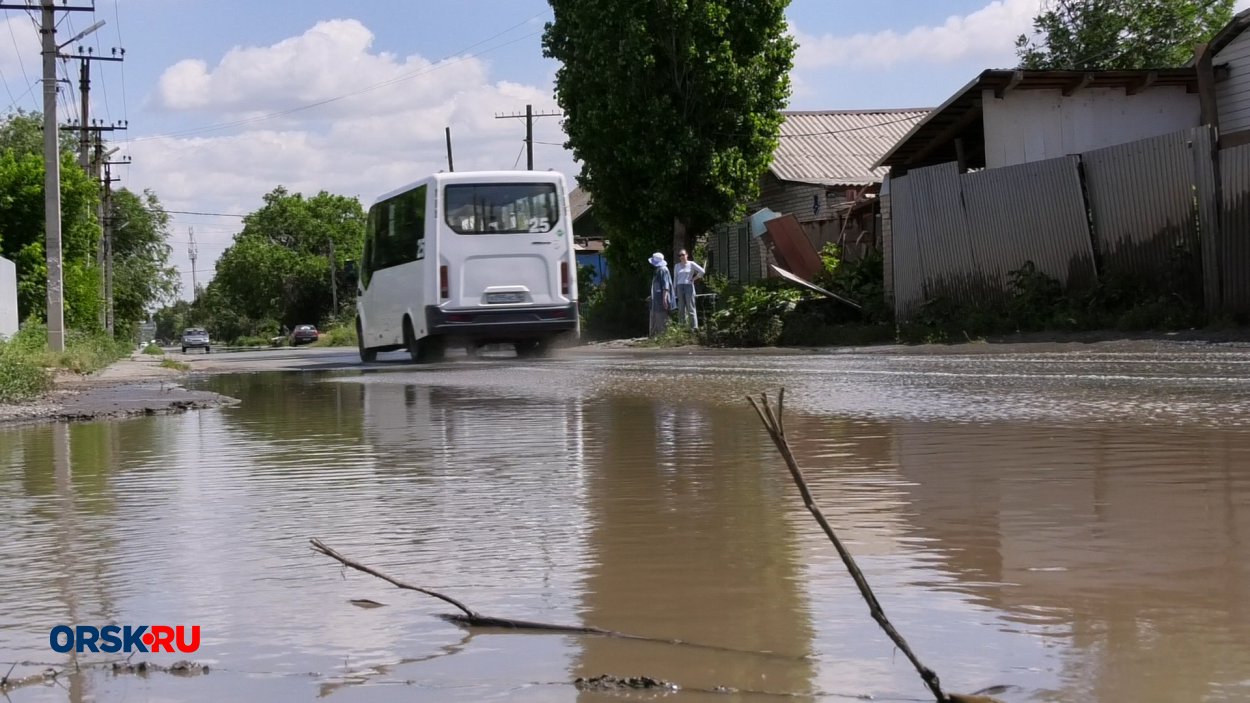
x=735 y=254
x=1151 y=204
x=1234 y=249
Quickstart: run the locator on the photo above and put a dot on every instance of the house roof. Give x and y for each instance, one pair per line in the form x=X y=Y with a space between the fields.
x=1229 y=32
x=838 y=147
x=932 y=139
x=579 y=203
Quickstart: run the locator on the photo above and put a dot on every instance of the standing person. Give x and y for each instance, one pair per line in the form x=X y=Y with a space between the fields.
x=661 y=294
x=685 y=273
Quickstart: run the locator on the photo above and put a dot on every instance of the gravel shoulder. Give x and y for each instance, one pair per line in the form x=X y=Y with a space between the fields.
x=130 y=387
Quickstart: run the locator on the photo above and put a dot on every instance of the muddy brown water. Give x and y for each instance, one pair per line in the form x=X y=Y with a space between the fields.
x=1073 y=526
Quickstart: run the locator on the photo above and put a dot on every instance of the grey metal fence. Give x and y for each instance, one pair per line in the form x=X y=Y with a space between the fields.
x=1152 y=204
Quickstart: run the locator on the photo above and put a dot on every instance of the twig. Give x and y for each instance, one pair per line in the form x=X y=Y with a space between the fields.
x=776 y=430
x=474 y=619
x=321 y=547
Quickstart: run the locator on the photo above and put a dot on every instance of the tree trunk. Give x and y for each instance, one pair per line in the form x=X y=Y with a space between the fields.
x=679 y=237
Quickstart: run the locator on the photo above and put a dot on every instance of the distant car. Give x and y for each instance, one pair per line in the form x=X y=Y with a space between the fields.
x=196 y=337
x=304 y=334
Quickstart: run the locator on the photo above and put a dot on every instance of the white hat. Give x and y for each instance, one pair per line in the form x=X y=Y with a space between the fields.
x=657 y=259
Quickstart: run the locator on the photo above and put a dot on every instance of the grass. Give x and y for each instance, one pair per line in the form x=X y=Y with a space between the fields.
x=174 y=364
x=153 y=349
x=675 y=335
x=26 y=361
x=337 y=335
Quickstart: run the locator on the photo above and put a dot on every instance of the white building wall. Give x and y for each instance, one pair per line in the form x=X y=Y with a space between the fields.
x=1232 y=96
x=1034 y=125
x=8 y=298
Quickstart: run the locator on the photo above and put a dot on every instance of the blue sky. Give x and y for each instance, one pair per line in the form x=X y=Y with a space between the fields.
x=216 y=92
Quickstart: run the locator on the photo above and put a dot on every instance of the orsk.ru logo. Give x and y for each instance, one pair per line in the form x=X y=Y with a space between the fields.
x=112 y=639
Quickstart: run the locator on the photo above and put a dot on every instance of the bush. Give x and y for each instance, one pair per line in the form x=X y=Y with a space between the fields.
x=22 y=377
x=338 y=334
x=154 y=349
x=251 y=341
x=751 y=316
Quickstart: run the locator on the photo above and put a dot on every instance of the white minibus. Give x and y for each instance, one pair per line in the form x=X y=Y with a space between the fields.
x=468 y=258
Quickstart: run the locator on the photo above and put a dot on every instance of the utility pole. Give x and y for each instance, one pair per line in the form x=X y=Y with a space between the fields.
x=195 y=288
x=84 y=86
x=450 y=166
x=109 y=230
x=52 y=167
x=529 y=130
x=334 y=286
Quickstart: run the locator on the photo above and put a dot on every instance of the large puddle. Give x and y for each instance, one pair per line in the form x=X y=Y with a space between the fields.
x=1073 y=526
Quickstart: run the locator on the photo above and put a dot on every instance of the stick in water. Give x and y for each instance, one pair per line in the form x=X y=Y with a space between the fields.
x=774 y=423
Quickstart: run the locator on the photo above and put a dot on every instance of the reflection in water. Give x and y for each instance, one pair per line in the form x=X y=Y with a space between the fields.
x=688 y=543
x=1073 y=527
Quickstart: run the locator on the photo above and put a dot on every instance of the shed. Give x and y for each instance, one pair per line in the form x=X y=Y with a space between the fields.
x=1005 y=117
x=823 y=173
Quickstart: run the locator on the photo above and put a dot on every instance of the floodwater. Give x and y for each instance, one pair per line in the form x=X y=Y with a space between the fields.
x=1073 y=527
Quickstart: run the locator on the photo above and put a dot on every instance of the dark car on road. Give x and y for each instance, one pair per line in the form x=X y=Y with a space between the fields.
x=304 y=334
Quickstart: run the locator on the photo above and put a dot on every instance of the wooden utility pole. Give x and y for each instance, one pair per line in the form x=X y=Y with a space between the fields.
x=450 y=167
x=529 y=130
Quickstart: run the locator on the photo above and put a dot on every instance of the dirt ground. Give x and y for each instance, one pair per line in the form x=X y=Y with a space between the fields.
x=138 y=385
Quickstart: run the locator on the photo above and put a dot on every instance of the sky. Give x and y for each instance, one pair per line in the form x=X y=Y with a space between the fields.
x=224 y=100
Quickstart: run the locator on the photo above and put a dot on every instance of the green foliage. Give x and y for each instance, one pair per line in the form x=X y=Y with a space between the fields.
x=142 y=276
x=675 y=335
x=22 y=376
x=1036 y=302
x=338 y=334
x=22 y=236
x=21 y=132
x=277 y=271
x=153 y=349
x=673 y=109
x=1120 y=34
x=751 y=316
x=174 y=364
x=27 y=351
x=862 y=281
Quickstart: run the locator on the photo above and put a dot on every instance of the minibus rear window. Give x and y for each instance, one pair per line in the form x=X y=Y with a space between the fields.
x=501 y=208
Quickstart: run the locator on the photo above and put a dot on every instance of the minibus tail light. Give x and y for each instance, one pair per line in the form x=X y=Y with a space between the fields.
x=564 y=277
x=442 y=283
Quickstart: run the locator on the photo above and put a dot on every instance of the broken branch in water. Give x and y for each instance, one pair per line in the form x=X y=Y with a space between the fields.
x=472 y=618
x=774 y=424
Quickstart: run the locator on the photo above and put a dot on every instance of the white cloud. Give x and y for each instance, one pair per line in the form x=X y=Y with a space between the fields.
x=362 y=145
x=988 y=33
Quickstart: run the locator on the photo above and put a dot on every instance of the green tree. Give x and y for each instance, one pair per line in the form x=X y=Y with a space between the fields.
x=673 y=108
x=142 y=276
x=22 y=236
x=277 y=271
x=1120 y=34
x=22 y=132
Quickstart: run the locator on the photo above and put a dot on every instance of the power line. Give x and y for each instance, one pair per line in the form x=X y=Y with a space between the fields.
x=518 y=156
x=18 y=50
x=189 y=212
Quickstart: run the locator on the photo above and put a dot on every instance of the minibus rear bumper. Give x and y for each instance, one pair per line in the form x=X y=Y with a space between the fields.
x=501 y=322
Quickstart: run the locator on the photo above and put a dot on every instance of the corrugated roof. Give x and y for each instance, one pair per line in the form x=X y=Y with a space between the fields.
x=839 y=147
x=579 y=202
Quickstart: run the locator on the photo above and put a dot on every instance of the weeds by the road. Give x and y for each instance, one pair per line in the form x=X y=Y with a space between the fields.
x=676 y=335
x=168 y=363
x=25 y=360
x=153 y=349
x=338 y=334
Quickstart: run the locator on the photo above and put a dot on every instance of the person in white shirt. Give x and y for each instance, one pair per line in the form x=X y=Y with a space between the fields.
x=685 y=273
